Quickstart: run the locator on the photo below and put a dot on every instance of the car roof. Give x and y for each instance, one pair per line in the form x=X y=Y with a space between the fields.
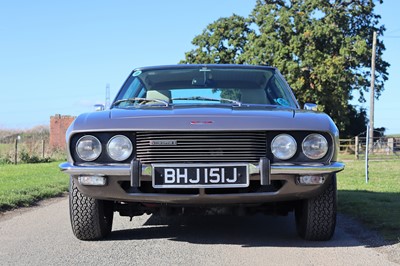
x=191 y=66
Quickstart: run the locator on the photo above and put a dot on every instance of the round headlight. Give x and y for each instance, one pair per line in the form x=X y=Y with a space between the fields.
x=88 y=148
x=119 y=148
x=315 y=146
x=284 y=146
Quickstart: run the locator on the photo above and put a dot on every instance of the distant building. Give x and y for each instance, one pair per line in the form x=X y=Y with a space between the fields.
x=58 y=127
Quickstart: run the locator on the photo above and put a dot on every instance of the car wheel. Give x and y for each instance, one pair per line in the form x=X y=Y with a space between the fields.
x=316 y=217
x=91 y=219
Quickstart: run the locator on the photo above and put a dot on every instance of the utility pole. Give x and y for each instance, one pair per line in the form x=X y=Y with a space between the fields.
x=372 y=94
x=107 y=103
x=16 y=149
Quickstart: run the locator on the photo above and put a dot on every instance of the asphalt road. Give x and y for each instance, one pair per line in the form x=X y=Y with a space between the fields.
x=42 y=236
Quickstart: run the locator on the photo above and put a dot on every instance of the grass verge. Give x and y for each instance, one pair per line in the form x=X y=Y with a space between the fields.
x=25 y=184
x=376 y=203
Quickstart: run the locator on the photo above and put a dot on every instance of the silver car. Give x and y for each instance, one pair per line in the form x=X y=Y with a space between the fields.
x=193 y=139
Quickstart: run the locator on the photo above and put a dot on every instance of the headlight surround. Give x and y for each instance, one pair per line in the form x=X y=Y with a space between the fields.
x=88 y=148
x=119 y=148
x=315 y=146
x=284 y=146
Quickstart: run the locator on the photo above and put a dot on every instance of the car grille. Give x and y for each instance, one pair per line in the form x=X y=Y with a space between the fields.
x=200 y=146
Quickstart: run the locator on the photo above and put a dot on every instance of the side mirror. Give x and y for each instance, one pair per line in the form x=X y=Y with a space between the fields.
x=311 y=106
x=99 y=107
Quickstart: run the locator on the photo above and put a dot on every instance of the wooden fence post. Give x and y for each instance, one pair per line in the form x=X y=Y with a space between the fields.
x=356 y=148
x=16 y=151
x=390 y=144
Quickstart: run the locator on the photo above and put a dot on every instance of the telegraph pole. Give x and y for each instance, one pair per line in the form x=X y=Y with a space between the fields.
x=107 y=103
x=372 y=93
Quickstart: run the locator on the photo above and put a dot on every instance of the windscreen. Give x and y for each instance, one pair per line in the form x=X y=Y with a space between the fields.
x=205 y=85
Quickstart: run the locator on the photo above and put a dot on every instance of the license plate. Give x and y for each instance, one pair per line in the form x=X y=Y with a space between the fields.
x=200 y=175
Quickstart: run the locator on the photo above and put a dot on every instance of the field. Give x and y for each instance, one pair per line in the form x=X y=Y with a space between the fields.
x=25 y=184
x=376 y=204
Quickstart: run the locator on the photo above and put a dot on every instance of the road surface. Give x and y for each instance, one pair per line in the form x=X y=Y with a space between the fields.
x=42 y=236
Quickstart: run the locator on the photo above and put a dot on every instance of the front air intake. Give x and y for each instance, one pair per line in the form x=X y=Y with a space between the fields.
x=171 y=147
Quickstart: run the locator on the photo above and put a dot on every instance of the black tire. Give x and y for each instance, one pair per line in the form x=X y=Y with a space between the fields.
x=91 y=219
x=316 y=217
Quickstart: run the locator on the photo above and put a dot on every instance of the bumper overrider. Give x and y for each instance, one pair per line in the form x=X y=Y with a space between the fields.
x=108 y=180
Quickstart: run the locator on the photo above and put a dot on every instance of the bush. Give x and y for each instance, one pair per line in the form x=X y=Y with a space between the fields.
x=26 y=158
x=5 y=160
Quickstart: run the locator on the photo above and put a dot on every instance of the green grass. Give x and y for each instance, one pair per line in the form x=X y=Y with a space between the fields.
x=25 y=184
x=376 y=203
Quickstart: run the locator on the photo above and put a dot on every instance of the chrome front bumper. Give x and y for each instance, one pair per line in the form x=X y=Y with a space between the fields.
x=119 y=174
x=126 y=169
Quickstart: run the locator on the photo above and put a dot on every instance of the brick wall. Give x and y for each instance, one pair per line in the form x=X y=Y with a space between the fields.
x=58 y=127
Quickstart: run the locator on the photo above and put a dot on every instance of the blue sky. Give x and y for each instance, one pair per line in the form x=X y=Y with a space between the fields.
x=56 y=57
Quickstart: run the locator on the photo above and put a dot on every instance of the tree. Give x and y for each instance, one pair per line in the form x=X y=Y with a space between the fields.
x=222 y=42
x=359 y=119
x=322 y=47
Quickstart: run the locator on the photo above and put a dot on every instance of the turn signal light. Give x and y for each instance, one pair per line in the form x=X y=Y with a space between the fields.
x=311 y=180
x=92 y=180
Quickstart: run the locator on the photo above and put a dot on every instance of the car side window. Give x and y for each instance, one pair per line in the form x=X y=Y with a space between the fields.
x=277 y=92
x=141 y=92
x=130 y=89
x=133 y=88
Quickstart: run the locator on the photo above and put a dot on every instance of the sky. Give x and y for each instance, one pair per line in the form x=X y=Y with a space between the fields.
x=57 y=57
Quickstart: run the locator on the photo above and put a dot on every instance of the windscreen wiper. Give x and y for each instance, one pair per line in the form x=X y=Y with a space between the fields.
x=208 y=99
x=140 y=99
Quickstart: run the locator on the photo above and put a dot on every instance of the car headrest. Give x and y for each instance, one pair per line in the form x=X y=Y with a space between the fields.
x=255 y=96
x=159 y=94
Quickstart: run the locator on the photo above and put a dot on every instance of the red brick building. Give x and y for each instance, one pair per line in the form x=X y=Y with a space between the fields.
x=58 y=127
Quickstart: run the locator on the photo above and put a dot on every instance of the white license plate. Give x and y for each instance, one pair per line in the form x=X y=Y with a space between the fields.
x=200 y=175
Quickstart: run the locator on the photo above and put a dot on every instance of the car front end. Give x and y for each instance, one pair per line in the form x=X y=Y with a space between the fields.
x=202 y=137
